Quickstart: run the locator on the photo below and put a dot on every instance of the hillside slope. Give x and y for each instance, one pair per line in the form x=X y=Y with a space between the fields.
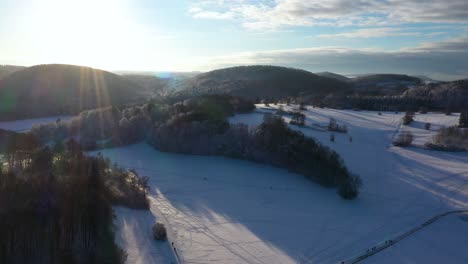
x=448 y=95
x=150 y=84
x=384 y=84
x=56 y=89
x=262 y=82
x=333 y=76
x=6 y=70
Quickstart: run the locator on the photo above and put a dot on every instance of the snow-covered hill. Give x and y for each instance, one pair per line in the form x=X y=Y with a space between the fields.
x=229 y=211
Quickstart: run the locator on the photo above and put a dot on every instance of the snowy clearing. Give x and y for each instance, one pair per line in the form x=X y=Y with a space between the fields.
x=441 y=242
x=230 y=211
x=26 y=124
x=133 y=233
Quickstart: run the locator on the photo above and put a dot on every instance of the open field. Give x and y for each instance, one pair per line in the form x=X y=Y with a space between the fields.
x=230 y=211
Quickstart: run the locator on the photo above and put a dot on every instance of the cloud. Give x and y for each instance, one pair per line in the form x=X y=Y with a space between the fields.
x=444 y=60
x=269 y=14
x=371 y=33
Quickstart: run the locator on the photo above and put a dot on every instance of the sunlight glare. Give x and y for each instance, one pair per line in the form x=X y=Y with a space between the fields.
x=100 y=33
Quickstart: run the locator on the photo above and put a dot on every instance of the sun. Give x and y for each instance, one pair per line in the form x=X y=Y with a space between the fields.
x=86 y=32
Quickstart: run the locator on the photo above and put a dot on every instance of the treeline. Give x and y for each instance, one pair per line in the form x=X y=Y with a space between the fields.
x=110 y=126
x=199 y=126
x=273 y=142
x=390 y=103
x=55 y=203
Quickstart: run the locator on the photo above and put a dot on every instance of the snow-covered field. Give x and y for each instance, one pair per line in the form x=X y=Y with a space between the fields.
x=444 y=241
x=26 y=124
x=133 y=234
x=230 y=211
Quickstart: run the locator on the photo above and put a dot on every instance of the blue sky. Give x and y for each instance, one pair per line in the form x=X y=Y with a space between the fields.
x=412 y=36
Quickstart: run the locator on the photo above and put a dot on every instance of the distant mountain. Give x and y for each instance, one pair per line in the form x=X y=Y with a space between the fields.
x=333 y=76
x=426 y=79
x=384 y=84
x=160 y=83
x=446 y=95
x=6 y=70
x=262 y=82
x=63 y=89
x=384 y=79
x=150 y=84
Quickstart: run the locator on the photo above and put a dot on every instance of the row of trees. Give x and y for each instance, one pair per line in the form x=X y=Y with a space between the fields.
x=55 y=204
x=110 y=126
x=199 y=126
x=449 y=139
x=272 y=143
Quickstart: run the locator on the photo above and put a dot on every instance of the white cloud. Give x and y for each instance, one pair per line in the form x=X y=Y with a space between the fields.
x=444 y=60
x=269 y=14
x=371 y=33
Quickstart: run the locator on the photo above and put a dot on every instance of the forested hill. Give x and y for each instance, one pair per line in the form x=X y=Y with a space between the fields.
x=54 y=89
x=447 y=95
x=6 y=70
x=333 y=76
x=262 y=82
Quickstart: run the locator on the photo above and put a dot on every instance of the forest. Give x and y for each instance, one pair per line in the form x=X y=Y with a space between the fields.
x=199 y=126
x=56 y=202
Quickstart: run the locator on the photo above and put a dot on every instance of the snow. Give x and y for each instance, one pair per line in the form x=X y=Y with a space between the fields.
x=26 y=124
x=133 y=233
x=221 y=210
x=442 y=242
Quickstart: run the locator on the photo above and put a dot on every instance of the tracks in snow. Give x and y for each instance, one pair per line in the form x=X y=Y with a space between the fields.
x=376 y=249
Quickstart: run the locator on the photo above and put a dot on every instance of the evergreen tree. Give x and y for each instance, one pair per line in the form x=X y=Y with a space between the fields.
x=463 y=122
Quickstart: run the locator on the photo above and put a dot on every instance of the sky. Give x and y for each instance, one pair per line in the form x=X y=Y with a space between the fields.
x=415 y=37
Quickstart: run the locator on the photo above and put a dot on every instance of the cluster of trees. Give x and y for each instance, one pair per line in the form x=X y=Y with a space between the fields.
x=297 y=118
x=403 y=139
x=55 y=203
x=334 y=126
x=110 y=126
x=199 y=126
x=272 y=143
x=408 y=118
x=386 y=103
x=449 y=139
x=463 y=121
x=449 y=96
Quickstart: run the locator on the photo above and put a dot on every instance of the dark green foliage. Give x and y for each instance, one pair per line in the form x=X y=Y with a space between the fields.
x=463 y=121
x=349 y=189
x=272 y=143
x=55 y=205
x=159 y=231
